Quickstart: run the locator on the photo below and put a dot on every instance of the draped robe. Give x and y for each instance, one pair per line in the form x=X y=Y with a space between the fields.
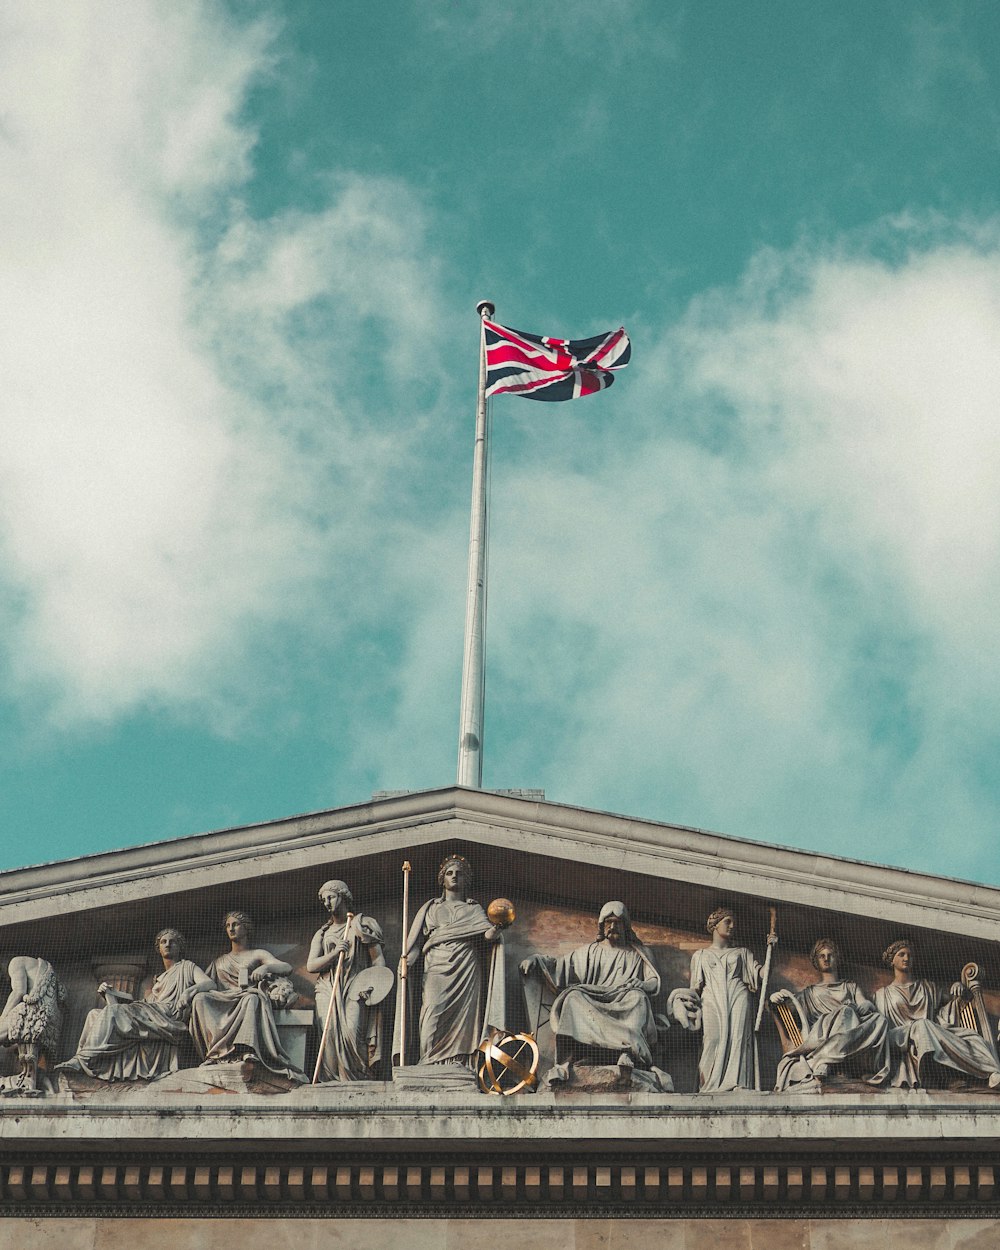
x=724 y=978
x=231 y=1022
x=605 y=998
x=921 y=1019
x=128 y=1040
x=354 y=1041
x=841 y=1025
x=461 y=996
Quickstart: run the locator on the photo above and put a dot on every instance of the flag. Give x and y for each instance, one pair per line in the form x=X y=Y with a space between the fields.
x=546 y=368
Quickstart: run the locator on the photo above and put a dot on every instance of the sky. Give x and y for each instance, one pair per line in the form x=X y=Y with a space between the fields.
x=751 y=588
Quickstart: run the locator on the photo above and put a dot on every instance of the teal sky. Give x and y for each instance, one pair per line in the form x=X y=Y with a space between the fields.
x=752 y=588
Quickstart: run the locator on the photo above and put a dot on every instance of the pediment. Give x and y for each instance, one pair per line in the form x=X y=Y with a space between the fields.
x=579 y=851
x=558 y=864
x=95 y=918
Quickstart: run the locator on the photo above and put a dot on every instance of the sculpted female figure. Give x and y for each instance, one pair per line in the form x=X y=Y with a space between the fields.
x=127 y=1040
x=926 y=1025
x=354 y=1039
x=838 y=1025
x=235 y=1020
x=725 y=976
x=461 y=994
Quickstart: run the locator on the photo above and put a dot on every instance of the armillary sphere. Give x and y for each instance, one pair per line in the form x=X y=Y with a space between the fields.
x=508 y=1063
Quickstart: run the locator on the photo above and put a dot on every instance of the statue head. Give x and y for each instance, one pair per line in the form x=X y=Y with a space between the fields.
x=178 y=940
x=460 y=863
x=243 y=920
x=614 y=925
x=717 y=917
x=818 y=955
x=336 y=890
x=896 y=948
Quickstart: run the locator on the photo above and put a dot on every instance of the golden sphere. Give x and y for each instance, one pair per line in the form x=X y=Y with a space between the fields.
x=501 y=913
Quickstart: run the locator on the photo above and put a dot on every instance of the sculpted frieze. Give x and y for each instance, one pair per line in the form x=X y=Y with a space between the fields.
x=557 y=1002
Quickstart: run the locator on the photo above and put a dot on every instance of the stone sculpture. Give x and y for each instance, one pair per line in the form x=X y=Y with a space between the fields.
x=841 y=1029
x=235 y=1021
x=32 y=1021
x=352 y=942
x=602 y=1014
x=459 y=998
x=725 y=976
x=129 y=1040
x=926 y=1026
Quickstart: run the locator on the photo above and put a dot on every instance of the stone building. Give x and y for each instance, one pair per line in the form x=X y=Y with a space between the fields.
x=632 y=1098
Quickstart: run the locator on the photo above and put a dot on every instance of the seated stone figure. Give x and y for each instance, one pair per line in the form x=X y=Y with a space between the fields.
x=31 y=1020
x=603 y=1008
x=235 y=1020
x=842 y=1031
x=926 y=1026
x=128 y=1040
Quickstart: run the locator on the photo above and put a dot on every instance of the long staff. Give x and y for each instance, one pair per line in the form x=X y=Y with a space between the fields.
x=333 y=995
x=402 y=963
x=767 y=970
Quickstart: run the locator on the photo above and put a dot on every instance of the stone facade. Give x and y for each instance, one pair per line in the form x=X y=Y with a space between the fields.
x=610 y=1160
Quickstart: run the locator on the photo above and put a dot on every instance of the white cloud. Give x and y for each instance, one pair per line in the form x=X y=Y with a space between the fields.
x=767 y=603
x=176 y=474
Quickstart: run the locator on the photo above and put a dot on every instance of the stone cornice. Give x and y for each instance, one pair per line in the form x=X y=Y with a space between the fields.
x=374 y=1117
x=557 y=831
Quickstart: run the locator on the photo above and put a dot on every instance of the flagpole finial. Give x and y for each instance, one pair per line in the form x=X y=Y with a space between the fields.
x=486 y=308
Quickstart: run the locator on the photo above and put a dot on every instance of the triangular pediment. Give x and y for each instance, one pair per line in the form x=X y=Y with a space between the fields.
x=94 y=920
x=530 y=848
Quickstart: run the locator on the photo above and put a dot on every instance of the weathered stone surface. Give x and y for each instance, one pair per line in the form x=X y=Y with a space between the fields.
x=487 y=1234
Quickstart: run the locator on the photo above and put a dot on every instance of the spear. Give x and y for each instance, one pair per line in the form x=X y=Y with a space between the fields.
x=402 y=963
x=334 y=990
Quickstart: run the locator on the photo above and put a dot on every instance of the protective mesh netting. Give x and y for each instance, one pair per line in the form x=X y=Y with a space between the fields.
x=557 y=903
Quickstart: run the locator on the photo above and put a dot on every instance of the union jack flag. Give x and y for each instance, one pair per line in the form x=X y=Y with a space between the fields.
x=545 y=368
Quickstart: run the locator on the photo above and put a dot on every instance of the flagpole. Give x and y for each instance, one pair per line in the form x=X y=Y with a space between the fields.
x=470 y=732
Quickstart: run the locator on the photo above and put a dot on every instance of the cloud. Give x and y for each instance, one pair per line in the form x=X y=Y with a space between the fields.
x=179 y=475
x=763 y=596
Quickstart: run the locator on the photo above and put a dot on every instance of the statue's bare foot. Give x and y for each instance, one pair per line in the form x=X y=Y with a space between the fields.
x=994 y=1080
x=625 y=1061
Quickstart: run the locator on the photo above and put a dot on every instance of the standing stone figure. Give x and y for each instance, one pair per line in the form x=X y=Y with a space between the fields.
x=725 y=977
x=839 y=1027
x=926 y=1025
x=235 y=1020
x=459 y=998
x=354 y=1040
x=603 y=1010
x=31 y=1020
x=127 y=1040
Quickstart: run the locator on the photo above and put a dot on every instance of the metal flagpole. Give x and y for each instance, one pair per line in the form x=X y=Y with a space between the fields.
x=470 y=732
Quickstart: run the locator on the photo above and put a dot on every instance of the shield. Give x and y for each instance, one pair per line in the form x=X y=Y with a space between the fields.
x=373 y=985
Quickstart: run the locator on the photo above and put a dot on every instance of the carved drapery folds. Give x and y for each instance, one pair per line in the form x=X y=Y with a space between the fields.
x=621 y=1015
x=352 y=982
x=139 y=1040
x=31 y=1021
x=235 y=1020
x=459 y=997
